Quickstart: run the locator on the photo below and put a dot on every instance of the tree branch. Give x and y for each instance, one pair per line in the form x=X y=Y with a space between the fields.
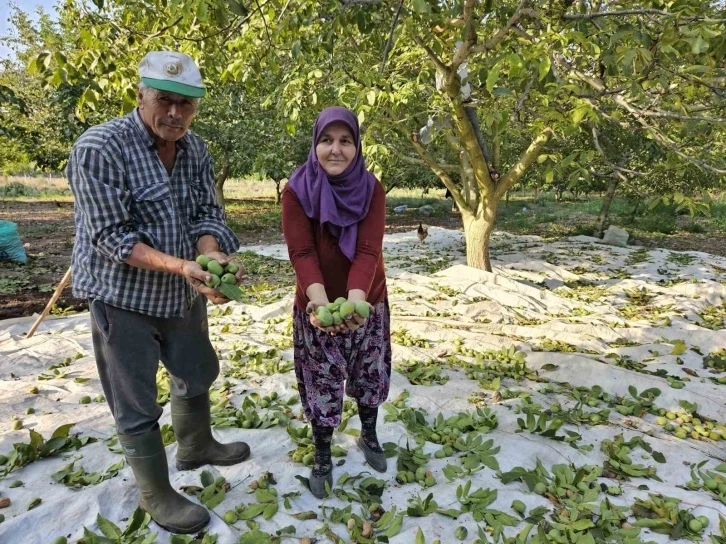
x=618 y=169
x=362 y=83
x=468 y=137
x=644 y=11
x=526 y=160
x=462 y=52
x=653 y=131
x=353 y=3
x=669 y=115
x=421 y=162
x=440 y=66
x=525 y=93
x=443 y=176
x=519 y=13
x=264 y=22
x=390 y=36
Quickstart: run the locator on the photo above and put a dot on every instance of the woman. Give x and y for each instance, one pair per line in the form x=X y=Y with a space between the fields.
x=333 y=219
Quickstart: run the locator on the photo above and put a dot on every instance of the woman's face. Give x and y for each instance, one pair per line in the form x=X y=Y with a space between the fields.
x=336 y=148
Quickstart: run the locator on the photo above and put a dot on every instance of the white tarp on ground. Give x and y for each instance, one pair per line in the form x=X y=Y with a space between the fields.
x=525 y=302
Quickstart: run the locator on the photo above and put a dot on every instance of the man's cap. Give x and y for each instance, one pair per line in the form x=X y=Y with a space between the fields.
x=173 y=72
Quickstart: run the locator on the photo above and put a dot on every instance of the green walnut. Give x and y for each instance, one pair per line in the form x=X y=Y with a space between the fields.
x=229 y=278
x=215 y=268
x=362 y=309
x=347 y=309
x=324 y=315
x=340 y=301
x=213 y=281
x=203 y=261
x=232 y=268
x=337 y=319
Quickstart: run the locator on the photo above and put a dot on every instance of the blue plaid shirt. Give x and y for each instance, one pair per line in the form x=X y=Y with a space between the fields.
x=123 y=196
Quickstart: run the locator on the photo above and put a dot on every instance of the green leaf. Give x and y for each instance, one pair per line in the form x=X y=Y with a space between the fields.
x=252 y=511
x=202 y=11
x=305 y=515
x=237 y=8
x=108 y=528
x=582 y=524
x=578 y=113
x=659 y=457
x=232 y=292
x=62 y=431
x=269 y=511
x=421 y=6
x=420 y=539
x=698 y=45
x=394 y=528
x=207 y=478
x=371 y=97
x=451 y=513
x=544 y=67
x=493 y=76
x=679 y=347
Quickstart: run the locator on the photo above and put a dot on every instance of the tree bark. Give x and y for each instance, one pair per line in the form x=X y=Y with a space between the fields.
x=605 y=209
x=278 y=192
x=221 y=177
x=477 y=231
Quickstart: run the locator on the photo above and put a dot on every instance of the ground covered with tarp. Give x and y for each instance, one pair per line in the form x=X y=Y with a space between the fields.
x=576 y=394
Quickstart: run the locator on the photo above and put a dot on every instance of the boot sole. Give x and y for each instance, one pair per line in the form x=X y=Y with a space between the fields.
x=192 y=464
x=181 y=531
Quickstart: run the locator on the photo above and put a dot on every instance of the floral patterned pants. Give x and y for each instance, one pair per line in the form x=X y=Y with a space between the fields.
x=358 y=362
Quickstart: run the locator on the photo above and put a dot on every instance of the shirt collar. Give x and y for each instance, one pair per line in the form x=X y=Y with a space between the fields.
x=148 y=139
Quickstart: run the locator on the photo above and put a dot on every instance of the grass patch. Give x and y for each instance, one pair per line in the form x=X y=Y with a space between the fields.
x=19 y=190
x=252 y=215
x=663 y=224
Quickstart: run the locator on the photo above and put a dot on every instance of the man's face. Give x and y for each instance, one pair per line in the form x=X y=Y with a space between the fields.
x=168 y=115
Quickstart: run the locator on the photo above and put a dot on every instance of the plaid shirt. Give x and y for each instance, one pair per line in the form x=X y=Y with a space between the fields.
x=123 y=196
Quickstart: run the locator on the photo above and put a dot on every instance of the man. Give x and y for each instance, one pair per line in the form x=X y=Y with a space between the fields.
x=145 y=207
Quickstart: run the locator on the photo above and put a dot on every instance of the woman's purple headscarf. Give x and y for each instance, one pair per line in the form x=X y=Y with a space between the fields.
x=341 y=201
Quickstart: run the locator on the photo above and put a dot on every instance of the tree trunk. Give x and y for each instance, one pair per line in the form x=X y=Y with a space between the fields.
x=477 y=231
x=278 y=192
x=605 y=209
x=634 y=212
x=220 y=178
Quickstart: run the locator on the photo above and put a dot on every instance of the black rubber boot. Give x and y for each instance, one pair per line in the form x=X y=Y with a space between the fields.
x=368 y=439
x=196 y=445
x=322 y=471
x=146 y=456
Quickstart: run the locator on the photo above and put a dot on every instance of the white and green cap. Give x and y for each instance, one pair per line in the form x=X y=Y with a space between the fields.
x=172 y=72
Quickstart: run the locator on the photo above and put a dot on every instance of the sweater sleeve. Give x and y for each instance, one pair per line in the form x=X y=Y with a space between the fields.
x=370 y=243
x=300 y=240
